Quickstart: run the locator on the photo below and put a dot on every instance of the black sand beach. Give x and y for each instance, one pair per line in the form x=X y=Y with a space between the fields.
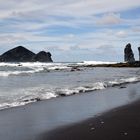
x=119 y=124
x=63 y=118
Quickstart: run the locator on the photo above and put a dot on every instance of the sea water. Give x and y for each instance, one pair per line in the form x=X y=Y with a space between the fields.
x=23 y=83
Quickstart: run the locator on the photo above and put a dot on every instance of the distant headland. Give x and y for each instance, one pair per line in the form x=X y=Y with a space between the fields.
x=21 y=54
x=129 y=59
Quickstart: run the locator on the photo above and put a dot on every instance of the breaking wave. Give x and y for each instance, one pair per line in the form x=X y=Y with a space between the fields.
x=10 y=69
x=95 y=62
x=35 y=94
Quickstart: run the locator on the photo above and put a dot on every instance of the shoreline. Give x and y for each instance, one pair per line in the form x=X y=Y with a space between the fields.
x=135 y=64
x=32 y=121
x=122 y=123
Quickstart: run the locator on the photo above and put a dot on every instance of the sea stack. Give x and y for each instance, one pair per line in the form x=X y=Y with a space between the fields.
x=139 y=52
x=18 y=54
x=21 y=54
x=42 y=57
x=128 y=54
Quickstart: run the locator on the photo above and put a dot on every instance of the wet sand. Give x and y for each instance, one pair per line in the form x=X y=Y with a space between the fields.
x=119 y=124
x=39 y=121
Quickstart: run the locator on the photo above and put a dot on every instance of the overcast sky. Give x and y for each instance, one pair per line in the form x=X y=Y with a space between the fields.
x=72 y=30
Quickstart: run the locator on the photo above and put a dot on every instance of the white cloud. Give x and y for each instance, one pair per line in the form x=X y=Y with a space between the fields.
x=136 y=29
x=28 y=21
x=72 y=8
x=121 y=34
x=109 y=19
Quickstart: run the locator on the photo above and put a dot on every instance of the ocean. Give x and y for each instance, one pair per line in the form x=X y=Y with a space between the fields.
x=24 y=83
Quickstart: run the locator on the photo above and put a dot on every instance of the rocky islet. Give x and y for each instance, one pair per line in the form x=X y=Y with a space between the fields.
x=21 y=54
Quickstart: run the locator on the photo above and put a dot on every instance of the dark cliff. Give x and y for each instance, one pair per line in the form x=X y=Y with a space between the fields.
x=139 y=52
x=21 y=54
x=128 y=54
x=42 y=57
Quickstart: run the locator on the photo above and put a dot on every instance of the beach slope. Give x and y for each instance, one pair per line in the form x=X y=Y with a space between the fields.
x=119 y=124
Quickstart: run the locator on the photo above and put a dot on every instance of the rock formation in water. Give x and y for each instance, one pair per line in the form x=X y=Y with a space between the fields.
x=128 y=54
x=21 y=54
x=42 y=57
x=139 y=52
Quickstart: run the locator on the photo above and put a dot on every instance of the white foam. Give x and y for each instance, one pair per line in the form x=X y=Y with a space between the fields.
x=9 y=64
x=95 y=62
x=81 y=89
x=30 y=64
x=95 y=86
x=14 y=104
x=39 y=64
x=48 y=95
x=33 y=67
x=67 y=91
x=43 y=92
x=27 y=96
x=8 y=73
x=123 y=81
x=52 y=66
x=131 y=79
x=58 y=68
